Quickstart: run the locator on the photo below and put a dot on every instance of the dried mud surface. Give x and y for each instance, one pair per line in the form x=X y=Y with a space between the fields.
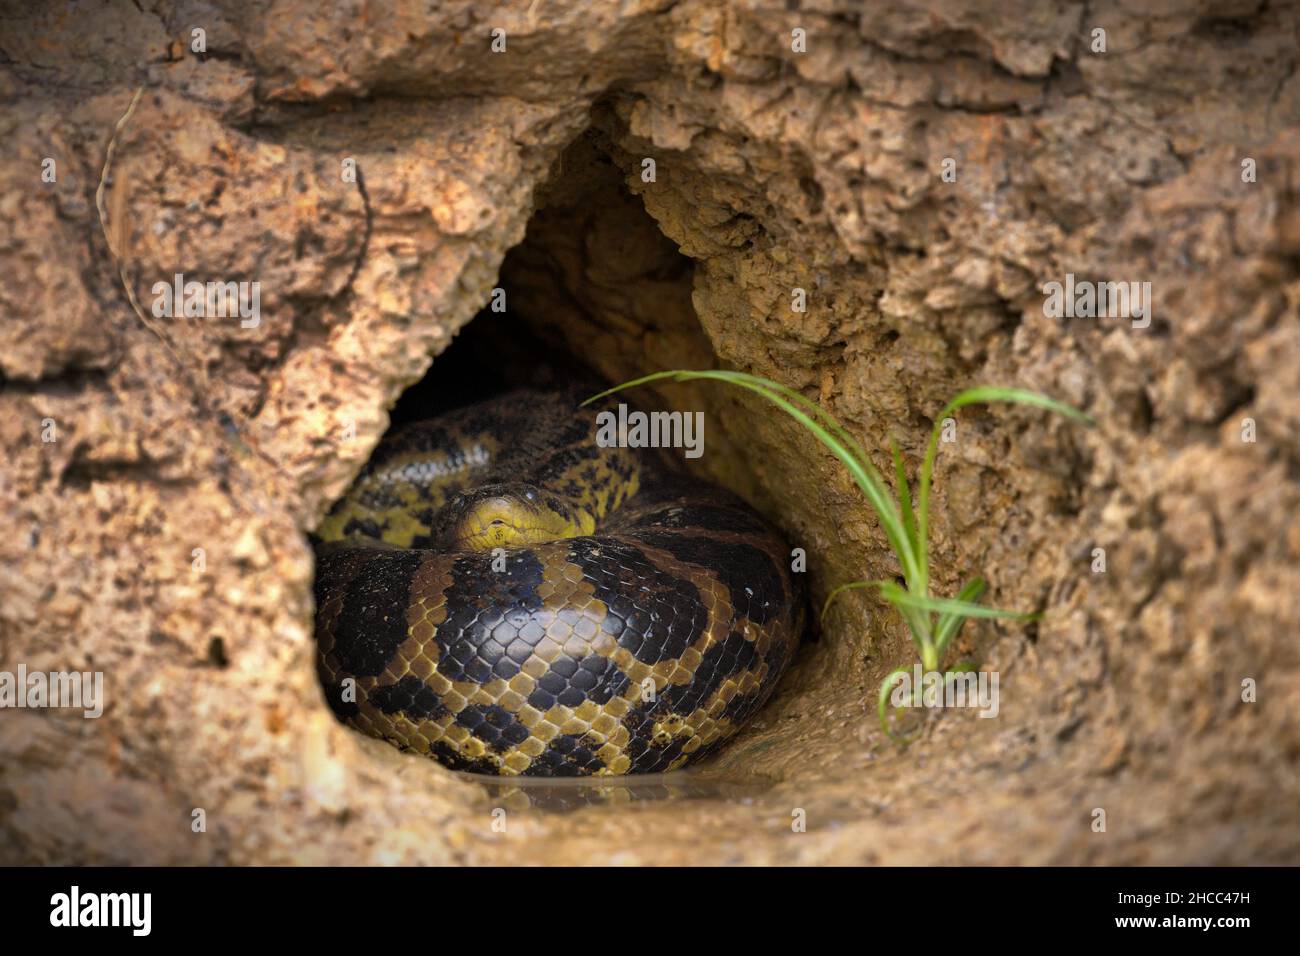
x=774 y=170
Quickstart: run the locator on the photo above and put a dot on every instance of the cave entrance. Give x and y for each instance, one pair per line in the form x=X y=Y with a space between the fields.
x=594 y=292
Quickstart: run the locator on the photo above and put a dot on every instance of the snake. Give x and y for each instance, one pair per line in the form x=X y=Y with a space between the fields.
x=505 y=593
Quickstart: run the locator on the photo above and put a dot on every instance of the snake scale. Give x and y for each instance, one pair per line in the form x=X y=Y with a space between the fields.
x=500 y=593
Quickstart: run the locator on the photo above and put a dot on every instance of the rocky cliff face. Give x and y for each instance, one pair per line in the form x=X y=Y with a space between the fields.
x=920 y=171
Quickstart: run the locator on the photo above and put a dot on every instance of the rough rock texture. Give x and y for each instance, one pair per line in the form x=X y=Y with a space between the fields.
x=775 y=169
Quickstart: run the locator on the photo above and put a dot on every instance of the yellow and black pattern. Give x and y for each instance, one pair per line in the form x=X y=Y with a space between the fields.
x=510 y=598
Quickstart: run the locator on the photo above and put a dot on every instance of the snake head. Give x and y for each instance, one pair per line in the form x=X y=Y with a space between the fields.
x=505 y=515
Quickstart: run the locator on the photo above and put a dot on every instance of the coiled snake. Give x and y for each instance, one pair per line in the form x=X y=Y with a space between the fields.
x=501 y=593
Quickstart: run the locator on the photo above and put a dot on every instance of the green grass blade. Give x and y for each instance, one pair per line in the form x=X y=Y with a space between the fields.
x=904 y=492
x=917 y=621
x=836 y=592
x=918 y=574
x=949 y=623
x=984 y=394
x=974 y=396
x=902 y=597
x=882 y=708
x=644 y=379
x=864 y=473
x=831 y=423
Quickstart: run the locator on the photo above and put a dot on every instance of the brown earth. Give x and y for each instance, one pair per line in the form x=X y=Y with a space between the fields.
x=774 y=170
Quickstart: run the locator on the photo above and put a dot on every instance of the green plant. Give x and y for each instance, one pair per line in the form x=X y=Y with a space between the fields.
x=932 y=621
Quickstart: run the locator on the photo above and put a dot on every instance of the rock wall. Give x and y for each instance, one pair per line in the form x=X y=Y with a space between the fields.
x=160 y=473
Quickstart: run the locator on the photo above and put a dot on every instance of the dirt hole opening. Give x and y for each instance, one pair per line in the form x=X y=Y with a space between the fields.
x=597 y=291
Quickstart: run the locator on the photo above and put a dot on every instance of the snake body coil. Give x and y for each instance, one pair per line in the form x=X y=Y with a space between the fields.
x=500 y=593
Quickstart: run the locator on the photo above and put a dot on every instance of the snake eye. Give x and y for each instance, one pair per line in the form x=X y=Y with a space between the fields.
x=530 y=494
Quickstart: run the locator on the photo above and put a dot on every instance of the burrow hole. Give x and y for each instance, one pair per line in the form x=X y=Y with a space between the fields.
x=596 y=290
